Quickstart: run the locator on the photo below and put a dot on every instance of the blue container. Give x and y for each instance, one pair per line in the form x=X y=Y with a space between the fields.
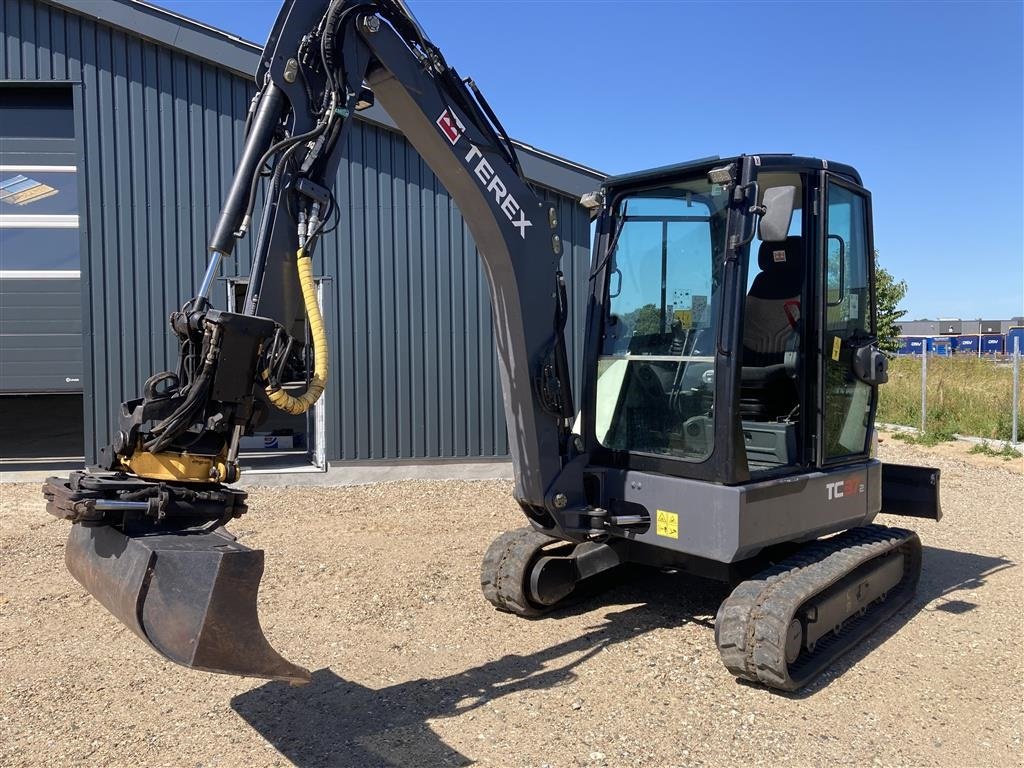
x=942 y=346
x=912 y=345
x=1017 y=332
x=992 y=343
x=967 y=344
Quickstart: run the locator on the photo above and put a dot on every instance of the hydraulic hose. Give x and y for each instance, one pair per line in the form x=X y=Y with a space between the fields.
x=302 y=403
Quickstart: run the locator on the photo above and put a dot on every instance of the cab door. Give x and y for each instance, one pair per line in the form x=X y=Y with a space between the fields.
x=846 y=321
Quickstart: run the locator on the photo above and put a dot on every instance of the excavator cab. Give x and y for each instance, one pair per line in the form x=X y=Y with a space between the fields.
x=736 y=342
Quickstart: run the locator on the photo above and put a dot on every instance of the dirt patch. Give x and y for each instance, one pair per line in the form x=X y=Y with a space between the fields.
x=960 y=451
x=376 y=588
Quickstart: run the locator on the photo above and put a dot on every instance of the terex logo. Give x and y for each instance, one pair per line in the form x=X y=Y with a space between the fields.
x=453 y=129
x=451 y=126
x=843 y=488
x=509 y=205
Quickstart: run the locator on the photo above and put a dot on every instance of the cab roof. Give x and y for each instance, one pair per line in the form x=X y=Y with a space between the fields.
x=773 y=162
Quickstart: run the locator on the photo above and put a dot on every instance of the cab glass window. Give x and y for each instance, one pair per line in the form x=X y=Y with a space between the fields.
x=655 y=385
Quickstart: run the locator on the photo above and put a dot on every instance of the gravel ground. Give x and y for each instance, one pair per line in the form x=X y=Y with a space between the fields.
x=376 y=588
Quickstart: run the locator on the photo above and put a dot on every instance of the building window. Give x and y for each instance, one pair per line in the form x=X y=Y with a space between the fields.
x=39 y=207
x=39 y=221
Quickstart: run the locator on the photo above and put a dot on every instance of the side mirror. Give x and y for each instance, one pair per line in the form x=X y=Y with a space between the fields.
x=778 y=204
x=870 y=365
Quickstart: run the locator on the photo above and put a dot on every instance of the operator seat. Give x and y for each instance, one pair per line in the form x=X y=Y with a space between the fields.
x=771 y=325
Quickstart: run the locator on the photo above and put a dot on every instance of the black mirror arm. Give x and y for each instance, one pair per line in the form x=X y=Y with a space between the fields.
x=740 y=194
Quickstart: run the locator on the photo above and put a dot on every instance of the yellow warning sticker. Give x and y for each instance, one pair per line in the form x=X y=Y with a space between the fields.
x=685 y=317
x=667 y=524
x=837 y=343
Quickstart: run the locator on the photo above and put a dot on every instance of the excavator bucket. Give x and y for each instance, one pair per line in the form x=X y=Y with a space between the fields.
x=190 y=594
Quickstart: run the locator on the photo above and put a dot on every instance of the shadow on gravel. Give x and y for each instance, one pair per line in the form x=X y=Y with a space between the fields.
x=943 y=572
x=338 y=723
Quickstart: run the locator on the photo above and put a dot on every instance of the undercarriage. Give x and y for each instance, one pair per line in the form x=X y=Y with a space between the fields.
x=781 y=627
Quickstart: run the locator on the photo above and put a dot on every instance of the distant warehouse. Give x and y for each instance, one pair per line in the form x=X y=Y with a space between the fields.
x=119 y=128
x=954 y=337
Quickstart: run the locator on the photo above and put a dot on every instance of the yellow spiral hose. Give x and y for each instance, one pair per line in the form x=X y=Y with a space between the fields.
x=277 y=396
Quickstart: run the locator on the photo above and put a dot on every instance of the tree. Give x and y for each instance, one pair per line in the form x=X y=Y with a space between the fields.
x=889 y=292
x=644 y=321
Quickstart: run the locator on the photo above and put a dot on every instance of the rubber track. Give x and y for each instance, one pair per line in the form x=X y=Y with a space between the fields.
x=504 y=570
x=752 y=623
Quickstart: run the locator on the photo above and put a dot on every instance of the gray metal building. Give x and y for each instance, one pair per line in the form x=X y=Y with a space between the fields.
x=129 y=122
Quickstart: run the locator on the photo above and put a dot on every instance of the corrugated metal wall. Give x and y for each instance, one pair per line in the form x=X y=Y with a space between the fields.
x=414 y=373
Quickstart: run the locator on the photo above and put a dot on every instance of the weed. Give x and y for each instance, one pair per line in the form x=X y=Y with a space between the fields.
x=1009 y=452
x=1006 y=452
x=936 y=437
x=927 y=439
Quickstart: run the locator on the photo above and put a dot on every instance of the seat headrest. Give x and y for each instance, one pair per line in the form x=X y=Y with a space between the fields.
x=782 y=257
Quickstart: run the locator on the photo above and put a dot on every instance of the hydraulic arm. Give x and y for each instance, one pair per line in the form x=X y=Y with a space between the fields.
x=160 y=499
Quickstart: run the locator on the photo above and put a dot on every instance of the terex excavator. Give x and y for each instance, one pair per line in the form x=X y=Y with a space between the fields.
x=727 y=398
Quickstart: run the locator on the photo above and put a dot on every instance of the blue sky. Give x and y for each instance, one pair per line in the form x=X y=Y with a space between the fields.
x=926 y=99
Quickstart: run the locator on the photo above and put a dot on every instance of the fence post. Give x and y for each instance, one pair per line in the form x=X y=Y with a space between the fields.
x=1016 y=384
x=924 y=387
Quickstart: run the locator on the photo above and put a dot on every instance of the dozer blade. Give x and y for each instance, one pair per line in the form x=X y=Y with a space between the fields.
x=190 y=594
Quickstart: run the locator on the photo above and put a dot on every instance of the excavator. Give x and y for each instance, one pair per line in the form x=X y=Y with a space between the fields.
x=726 y=402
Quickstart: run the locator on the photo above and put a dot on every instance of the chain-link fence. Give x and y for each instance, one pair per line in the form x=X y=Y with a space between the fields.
x=958 y=395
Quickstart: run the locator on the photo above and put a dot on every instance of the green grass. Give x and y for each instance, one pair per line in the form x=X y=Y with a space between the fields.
x=1006 y=453
x=928 y=438
x=966 y=396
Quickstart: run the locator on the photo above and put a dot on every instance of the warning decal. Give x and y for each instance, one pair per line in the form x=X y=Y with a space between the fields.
x=837 y=344
x=667 y=524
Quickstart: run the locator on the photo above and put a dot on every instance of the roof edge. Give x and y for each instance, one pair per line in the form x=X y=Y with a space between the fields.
x=170 y=29
x=241 y=57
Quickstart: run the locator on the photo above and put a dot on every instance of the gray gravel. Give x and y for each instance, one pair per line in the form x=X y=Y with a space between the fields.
x=376 y=588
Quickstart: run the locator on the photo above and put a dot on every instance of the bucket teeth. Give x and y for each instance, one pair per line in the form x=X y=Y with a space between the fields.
x=190 y=594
